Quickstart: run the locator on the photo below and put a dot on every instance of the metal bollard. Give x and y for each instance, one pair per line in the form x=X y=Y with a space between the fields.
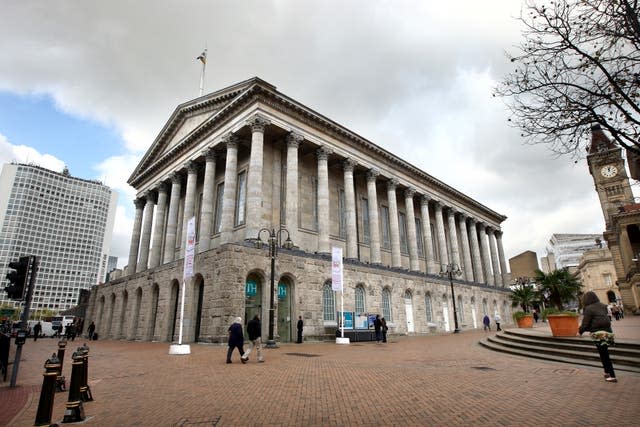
x=85 y=391
x=74 y=411
x=61 y=380
x=48 y=392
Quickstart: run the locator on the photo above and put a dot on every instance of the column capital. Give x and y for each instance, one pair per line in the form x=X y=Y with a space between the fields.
x=481 y=225
x=452 y=210
x=191 y=166
x=392 y=184
x=230 y=140
x=498 y=234
x=210 y=154
x=258 y=123
x=150 y=196
x=294 y=139
x=140 y=202
x=161 y=187
x=463 y=215
x=372 y=174
x=175 y=177
x=348 y=164
x=409 y=193
x=424 y=200
x=437 y=203
x=323 y=153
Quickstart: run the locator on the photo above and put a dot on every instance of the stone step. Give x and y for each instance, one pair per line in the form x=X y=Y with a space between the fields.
x=567 y=350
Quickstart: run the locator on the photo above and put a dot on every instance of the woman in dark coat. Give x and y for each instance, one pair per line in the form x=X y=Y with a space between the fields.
x=596 y=320
x=236 y=339
x=377 y=326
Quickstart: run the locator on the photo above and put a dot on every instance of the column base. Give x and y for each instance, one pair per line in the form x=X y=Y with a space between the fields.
x=180 y=349
x=340 y=340
x=74 y=412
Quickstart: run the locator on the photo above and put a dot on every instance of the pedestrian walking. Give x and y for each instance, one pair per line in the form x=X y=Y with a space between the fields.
x=536 y=316
x=497 y=319
x=486 y=322
x=384 y=329
x=236 y=339
x=300 y=326
x=91 y=329
x=254 y=330
x=37 y=328
x=596 y=320
x=377 y=326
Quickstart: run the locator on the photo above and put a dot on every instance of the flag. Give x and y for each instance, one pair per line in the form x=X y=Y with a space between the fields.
x=203 y=57
x=336 y=269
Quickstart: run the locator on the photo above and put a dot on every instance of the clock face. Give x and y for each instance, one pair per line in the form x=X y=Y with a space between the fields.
x=609 y=171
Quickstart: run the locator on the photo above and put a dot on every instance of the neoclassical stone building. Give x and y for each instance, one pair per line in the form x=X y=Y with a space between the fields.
x=248 y=158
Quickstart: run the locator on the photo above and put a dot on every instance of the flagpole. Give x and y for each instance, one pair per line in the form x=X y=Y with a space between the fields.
x=189 y=257
x=203 y=59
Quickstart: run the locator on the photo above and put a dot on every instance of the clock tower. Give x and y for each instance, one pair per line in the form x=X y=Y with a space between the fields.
x=607 y=168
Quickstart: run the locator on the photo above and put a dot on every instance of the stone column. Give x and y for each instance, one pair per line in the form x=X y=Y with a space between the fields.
x=394 y=229
x=145 y=240
x=503 y=262
x=208 y=198
x=292 y=196
x=350 y=209
x=229 y=196
x=323 y=200
x=426 y=233
x=172 y=220
x=453 y=237
x=476 y=258
x=466 y=252
x=156 y=245
x=254 y=178
x=135 y=237
x=374 y=222
x=484 y=252
x=497 y=277
x=442 y=239
x=189 y=202
x=412 y=239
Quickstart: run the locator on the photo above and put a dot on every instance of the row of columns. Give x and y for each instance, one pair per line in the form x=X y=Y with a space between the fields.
x=482 y=260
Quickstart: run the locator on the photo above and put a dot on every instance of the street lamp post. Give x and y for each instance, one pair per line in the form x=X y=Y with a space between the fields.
x=451 y=270
x=274 y=241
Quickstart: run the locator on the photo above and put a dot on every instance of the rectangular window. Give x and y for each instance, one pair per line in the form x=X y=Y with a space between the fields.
x=384 y=222
x=342 y=215
x=218 y=217
x=607 y=280
x=241 y=198
x=419 y=237
x=365 y=220
x=198 y=215
x=402 y=223
x=436 y=250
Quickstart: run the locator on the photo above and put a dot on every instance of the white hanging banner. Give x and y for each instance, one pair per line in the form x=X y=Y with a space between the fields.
x=190 y=250
x=336 y=269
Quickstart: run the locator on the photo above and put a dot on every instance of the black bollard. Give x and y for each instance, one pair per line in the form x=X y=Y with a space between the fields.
x=74 y=411
x=48 y=392
x=60 y=379
x=85 y=391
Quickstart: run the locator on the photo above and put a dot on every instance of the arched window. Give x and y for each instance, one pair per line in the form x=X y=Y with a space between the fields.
x=386 y=305
x=460 y=308
x=360 y=307
x=427 y=308
x=485 y=309
x=328 y=303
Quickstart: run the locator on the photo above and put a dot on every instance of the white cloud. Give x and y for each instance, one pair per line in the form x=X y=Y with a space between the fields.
x=23 y=154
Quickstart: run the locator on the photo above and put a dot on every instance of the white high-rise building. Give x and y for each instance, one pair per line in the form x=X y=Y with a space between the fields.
x=567 y=249
x=66 y=221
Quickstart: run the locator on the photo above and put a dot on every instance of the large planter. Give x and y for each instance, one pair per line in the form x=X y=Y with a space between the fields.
x=525 y=321
x=563 y=325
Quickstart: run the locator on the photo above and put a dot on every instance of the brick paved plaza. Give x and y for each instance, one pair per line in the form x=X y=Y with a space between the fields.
x=421 y=381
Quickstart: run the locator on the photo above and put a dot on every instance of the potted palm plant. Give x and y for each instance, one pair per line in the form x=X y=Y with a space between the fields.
x=559 y=287
x=523 y=295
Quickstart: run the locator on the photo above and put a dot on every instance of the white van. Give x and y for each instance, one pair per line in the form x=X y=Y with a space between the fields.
x=47 y=328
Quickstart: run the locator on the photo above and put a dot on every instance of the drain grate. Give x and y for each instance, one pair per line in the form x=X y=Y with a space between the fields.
x=200 y=422
x=302 y=354
x=483 y=368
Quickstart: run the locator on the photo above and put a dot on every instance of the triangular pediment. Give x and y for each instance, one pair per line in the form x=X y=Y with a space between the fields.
x=188 y=118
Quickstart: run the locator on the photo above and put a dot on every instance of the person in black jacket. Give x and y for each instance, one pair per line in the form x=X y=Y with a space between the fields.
x=300 y=326
x=596 y=320
x=236 y=339
x=254 y=329
x=377 y=326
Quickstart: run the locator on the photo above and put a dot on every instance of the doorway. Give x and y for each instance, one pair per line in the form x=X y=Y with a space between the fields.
x=408 y=308
x=284 y=310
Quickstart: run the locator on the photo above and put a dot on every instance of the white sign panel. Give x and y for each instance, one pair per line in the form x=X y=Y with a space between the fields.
x=189 y=253
x=336 y=269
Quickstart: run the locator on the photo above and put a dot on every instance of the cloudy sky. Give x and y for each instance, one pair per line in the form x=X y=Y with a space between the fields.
x=89 y=84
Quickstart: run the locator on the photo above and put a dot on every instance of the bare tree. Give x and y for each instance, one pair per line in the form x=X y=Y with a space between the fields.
x=579 y=65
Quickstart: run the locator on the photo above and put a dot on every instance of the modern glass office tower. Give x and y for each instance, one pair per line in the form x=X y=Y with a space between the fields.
x=66 y=221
